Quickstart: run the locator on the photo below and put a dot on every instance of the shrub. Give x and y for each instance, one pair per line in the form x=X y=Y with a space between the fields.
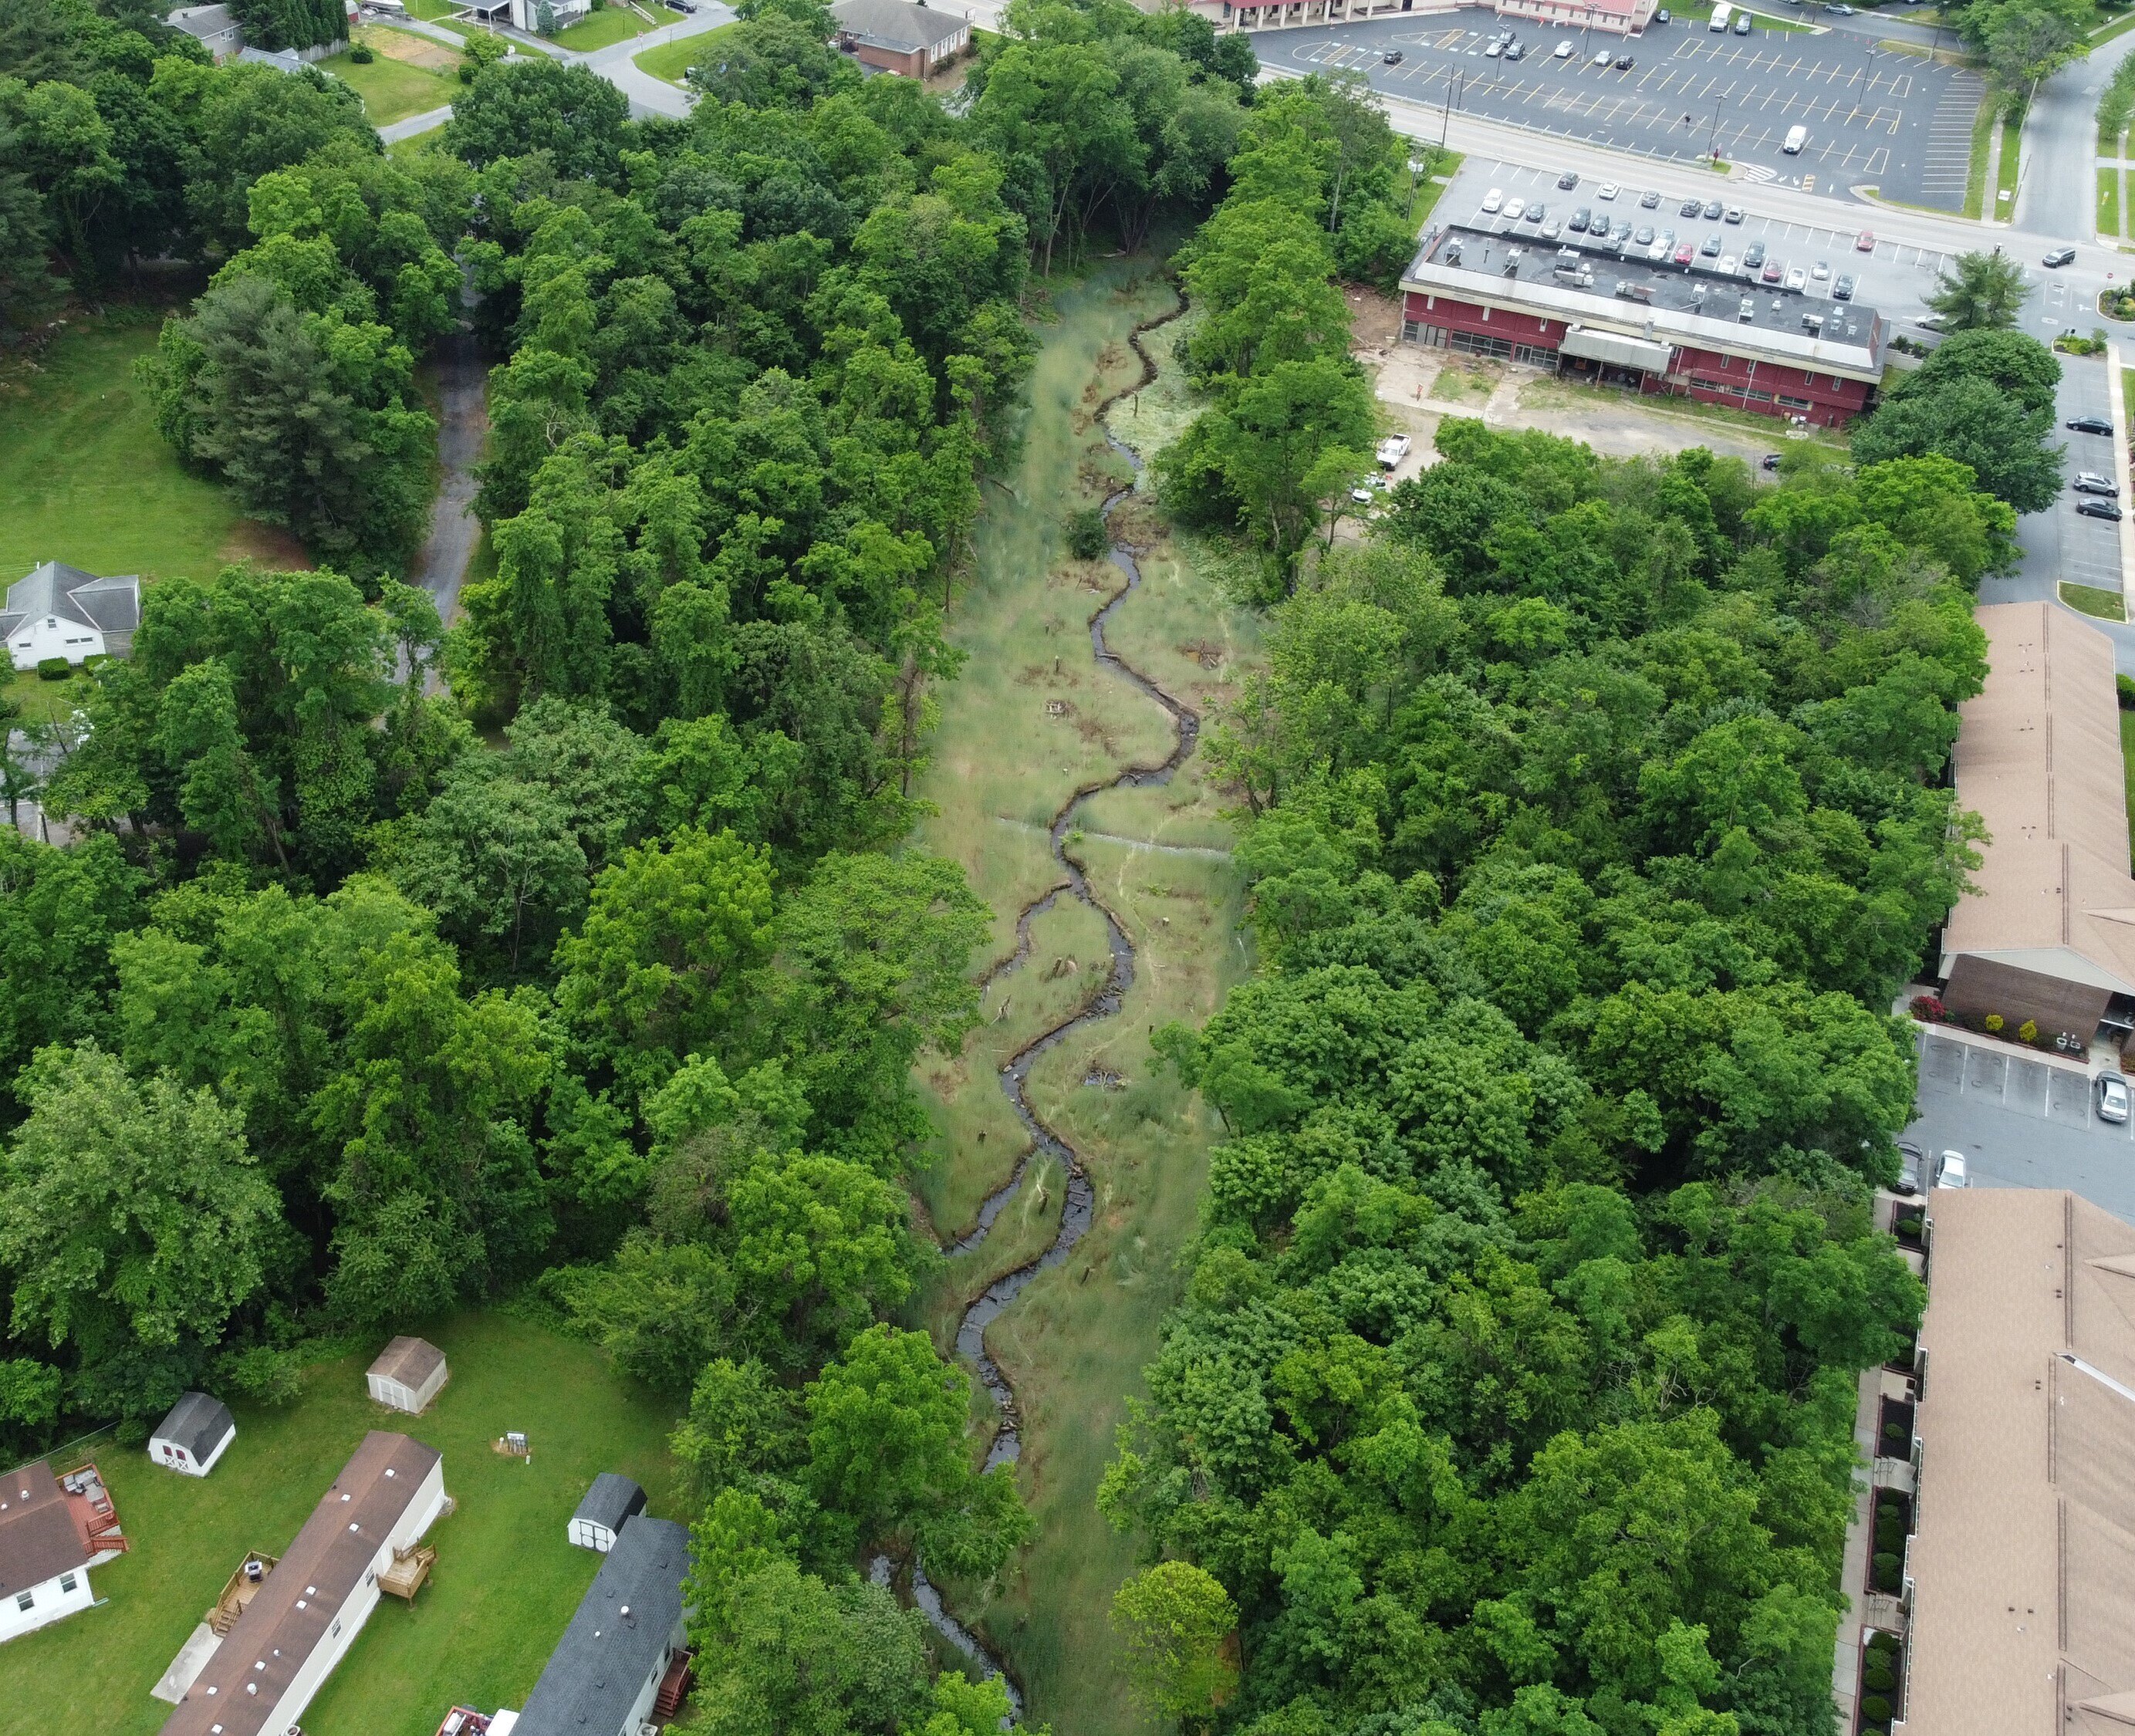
x=1929 y=1008
x=132 y=1431
x=2029 y=1030
x=53 y=669
x=1890 y=1534
x=1875 y=1709
x=2125 y=686
x=362 y=54
x=1879 y=1641
x=1886 y=1567
x=1876 y=1676
x=1087 y=538
x=271 y=1377
x=1994 y=1022
x=1894 y=1431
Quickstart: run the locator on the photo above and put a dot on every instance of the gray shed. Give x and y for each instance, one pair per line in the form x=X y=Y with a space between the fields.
x=612 y=1498
x=192 y=1437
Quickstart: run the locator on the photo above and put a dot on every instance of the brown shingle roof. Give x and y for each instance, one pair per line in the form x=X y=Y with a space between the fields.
x=38 y=1539
x=2023 y=1562
x=283 y=1623
x=2038 y=758
x=409 y=1361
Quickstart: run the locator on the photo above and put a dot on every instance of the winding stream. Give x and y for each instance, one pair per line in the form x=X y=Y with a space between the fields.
x=1102 y=1003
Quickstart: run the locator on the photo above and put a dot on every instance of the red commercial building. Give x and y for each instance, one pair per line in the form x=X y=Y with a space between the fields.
x=1608 y=312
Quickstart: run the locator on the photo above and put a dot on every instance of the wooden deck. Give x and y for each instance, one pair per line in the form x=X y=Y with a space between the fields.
x=241 y=1589
x=410 y=1568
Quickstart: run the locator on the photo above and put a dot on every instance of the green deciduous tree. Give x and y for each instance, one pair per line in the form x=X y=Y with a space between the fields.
x=1175 y=1621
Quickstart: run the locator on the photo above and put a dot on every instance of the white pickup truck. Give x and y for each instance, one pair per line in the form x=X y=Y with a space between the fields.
x=1392 y=450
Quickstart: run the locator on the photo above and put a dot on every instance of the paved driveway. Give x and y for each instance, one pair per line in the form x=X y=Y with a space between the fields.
x=2020 y=1124
x=1898 y=122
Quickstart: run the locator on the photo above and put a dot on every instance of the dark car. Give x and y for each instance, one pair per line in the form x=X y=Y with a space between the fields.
x=1579 y=221
x=1622 y=63
x=1691 y=208
x=1391 y=57
x=2060 y=256
x=1770 y=461
x=1649 y=201
x=1643 y=236
x=2089 y=424
x=1516 y=51
x=1912 y=1165
x=1534 y=213
x=1713 y=210
x=1753 y=256
x=1662 y=16
x=2091 y=508
x=1711 y=247
x=1567 y=180
x=1843 y=290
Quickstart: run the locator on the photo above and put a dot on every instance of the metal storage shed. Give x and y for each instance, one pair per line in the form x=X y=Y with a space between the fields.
x=612 y=1499
x=407 y=1375
x=193 y=1436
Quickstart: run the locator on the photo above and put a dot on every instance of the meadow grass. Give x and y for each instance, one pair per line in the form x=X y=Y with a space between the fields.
x=672 y=60
x=505 y=1580
x=392 y=88
x=613 y=24
x=1030 y=719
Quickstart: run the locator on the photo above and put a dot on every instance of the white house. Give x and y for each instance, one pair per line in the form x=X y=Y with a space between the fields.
x=624 y=1656
x=526 y=14
x=45 y=1552
x=59 y=611
x=193 y=1436
x=407 y=1375
x=316 y=1600
x=612 y=1498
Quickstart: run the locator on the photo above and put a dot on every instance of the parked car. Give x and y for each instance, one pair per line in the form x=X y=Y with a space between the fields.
x=1710 y=250
x=1516 y=50
x=1734 y=214
x=2089 y=481
x=2059 y=257
x=1795 y=280
x=1493 y=201
x=1685 y=253
x=1772 y=272
x=2111 y=1098
x=1601 y=57
x=1642 y=236
x=1622 y=63
x=1564 y=50
x=1663 y=246
x=2088 y=424
x=1865 y=242
x=2094 y=509
x=1391 y=57
x=1843 y=290
x=1949 y=1170
x=1690 y=208
x=1514 y=207
x=1392 y=450
x=1820 y=270
x=1607 y=190
x=1728 y=265
x=1662 y=16
x=1753 y=256
x=1841 y=10
x=1534 y=213
x=1567 y=180
x=1742 y=24
x=1712 y=209
x=1492 y=50
x=1551 y=229
x=1912 y=1164
x=1649 y=201
x=1579 y=219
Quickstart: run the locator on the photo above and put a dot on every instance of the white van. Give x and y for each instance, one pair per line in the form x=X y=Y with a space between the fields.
x=1718 y=20
x=1797 y=136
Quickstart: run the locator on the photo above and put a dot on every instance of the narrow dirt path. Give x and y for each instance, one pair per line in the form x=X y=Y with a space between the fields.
x=462 y=422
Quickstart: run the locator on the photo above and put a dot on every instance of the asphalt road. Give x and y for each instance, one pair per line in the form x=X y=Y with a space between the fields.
x=2058 y=544
x=2058 y=193
x=2020 y=1124
x=1897 y=122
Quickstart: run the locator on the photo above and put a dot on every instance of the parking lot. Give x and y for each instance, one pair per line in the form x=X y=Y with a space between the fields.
x=1893 y=279
x=1897 y=122
x=2020 y=1124
x=2060 y=542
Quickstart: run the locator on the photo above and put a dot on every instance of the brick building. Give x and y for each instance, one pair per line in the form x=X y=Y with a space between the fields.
x=895 y=36
x=1600 y=312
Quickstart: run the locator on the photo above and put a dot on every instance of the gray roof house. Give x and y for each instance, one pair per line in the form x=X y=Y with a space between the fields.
x=191 y=1438
x=612 y=1498
x=897 y=36
x=607 y=1670
x=59 y=611
x=215 y=27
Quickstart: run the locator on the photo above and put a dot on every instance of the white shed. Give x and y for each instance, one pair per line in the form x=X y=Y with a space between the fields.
x=612 y=1498
x=192 y=1437
x=407 y=1375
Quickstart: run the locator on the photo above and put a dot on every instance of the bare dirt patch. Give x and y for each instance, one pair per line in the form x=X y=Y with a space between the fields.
x=413 y=50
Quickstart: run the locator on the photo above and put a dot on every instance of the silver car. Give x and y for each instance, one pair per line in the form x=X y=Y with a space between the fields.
x=1949 y=1170
x=2111 y=1098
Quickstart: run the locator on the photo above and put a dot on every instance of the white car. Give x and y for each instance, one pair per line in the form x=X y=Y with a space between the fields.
x=1392 y=450
x=1728 y=265
x=1602 y=57
x=1493 y=201
x=1822 y=270
x=1565 y=52
x=1514 y=207
x=1493 y=51
x=1949 y=1170
x=1607 y=190
x=1795 y=280
x=2111 y=1098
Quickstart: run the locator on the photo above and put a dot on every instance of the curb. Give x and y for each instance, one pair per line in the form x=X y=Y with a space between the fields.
x=2115 y=387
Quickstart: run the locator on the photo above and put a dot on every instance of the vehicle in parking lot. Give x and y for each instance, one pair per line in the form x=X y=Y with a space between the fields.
x=1564 y=50
x=1551 y=229
x=1718 y=20
x=1865 y=242
x=1607 y=190
x=2059 y=257
x=1795 y=280
x=1663 y=246
x=1820 y=270
x=2088 y=424
x=1623 y=63
x=1949 y=1170
x=1492 y=50
x=1690 y=208
x=1662 y=16
x=1742 y=24
x=1911 y=1162
x=1685 y=253
x=1601 y=57
x=1516 y=50
x=1643 y=236
x=2111 y=1098
x=1712 y=210
x=1843 y=290
x=1514 y=207
x=1534 y=213
x=1728 y=262
x=1579 y=219
x=1734 y=214
x=1772 y=273
x=1493 y=201
x=1392 y=450
x=1753 y=256
x=2089 y=481
x=2090 y=508
x=1711 y=249
x=1391 y=57
x=1567 y=180
x=1796 y=137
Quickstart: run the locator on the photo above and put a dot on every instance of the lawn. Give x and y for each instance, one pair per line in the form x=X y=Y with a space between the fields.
x=1030 y=719
x=2094 y=600
x=672 y=60
x=1440 y=167
x=1975 y=178
x=504 y=1587
x=2006 y=176
x=2108 y=200
x=396 y=85
x=612 y=24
